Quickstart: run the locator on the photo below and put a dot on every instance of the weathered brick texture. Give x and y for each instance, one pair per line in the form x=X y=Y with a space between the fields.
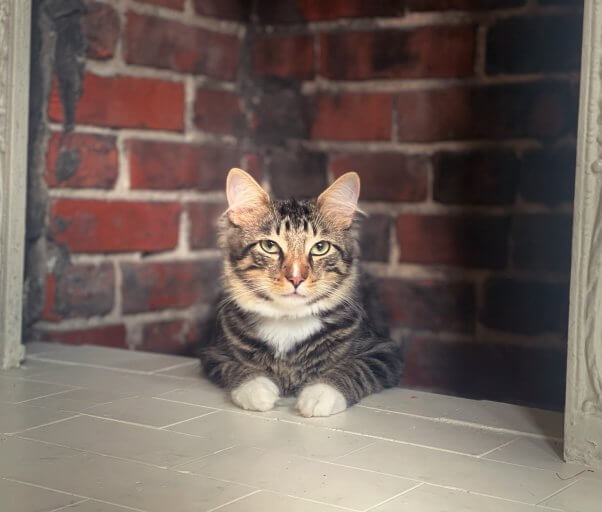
x=458 y=115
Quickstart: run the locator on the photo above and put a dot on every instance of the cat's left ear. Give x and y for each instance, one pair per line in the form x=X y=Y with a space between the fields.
x=339 y=201
x=246 y=198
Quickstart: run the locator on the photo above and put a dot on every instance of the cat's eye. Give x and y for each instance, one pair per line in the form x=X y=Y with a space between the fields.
x=269 y=246
x=321 y=248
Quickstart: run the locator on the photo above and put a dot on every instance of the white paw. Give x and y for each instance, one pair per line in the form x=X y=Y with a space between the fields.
x=257 y=394
x=320 y=400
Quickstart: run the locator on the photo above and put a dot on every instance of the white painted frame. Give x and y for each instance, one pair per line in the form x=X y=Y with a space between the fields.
x=583 y=411
x=15 y=16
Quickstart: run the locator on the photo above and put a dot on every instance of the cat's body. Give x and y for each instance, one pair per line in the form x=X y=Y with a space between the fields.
x=297 y=316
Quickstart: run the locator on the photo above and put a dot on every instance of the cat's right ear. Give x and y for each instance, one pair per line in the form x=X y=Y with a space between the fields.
x=246 y=198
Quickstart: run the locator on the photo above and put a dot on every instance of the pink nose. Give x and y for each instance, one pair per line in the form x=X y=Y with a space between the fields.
x=296 y=280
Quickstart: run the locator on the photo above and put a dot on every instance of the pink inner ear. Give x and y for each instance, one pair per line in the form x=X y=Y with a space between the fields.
x=242 y=191
x=339 y=201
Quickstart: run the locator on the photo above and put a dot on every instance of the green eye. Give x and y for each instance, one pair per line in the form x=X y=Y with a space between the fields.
x=320 y=249
x=269 y=246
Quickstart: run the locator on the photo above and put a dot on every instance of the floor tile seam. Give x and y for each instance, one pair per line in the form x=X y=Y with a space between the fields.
x=199 y=458
x=407 y=491
x=542 y=501
x=503 y=445
x=175 y=367
x=134 y=424
x=133 y=397
x=18 y=432
x=92 y=365
x=175 y=424
x=355 y=450
x=311 y=500
x=233 y=501
x=49 y=395
x=67 y=507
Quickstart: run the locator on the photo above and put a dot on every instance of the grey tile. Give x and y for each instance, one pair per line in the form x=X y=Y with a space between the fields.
x=148 y=411
x=16 y=417
x=78 y=399
x=454 y=470
x=16 y=390
x=40 y=347
x=481 y=412
x=18 y=497
x=95 y=506
x=265 y=501
x=242 y=429
x=152 y=446
x=190 y=370
x=300 y=477
x=202 y=393
x=428 y=498
x=583 y=496
x=107 y=479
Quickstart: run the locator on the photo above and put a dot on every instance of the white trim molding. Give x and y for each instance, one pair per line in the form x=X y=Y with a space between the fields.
x=15 y=22
x=583 y=413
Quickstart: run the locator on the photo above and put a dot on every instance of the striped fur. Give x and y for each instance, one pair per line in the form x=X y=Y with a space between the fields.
x=340 y=338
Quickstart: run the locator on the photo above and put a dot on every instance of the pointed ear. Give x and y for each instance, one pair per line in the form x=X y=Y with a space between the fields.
x=245 y=196
x=339 y=201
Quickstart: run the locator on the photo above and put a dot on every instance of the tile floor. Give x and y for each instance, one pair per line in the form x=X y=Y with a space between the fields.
x=90 y=429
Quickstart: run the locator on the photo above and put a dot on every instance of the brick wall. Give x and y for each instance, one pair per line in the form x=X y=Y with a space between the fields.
x=459 y=115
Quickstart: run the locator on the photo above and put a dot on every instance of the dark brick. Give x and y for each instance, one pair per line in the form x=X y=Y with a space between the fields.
x=299 y=174
x=525 y=307
x=536 y=109
x=542 y=242
x=203 y=224
x=486 y=371
x=375 y=236
x=90 y=225
x=217 y=111
x=100 y=27
x=79 y=291
x=479 y=241
x=198 y=166
x=433 y=305
x=295 y=11
x=171 y=4
x=106 y=335
x=166 y=44
x=548 y=175
x=352 y=116
x=163 y=285
x=77 y=160
x=283 y=56
x=233 y=10
x=169 y=337
x=445 y=5
x=425 y=52
x=386 y=176
x=125 y=102
x=475 y=177
x=535 y=44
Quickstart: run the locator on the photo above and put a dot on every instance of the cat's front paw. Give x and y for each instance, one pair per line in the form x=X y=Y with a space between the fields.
x=320 y=400
x=257 y=394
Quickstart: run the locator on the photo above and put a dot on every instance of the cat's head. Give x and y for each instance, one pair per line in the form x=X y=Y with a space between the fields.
x=289 y=258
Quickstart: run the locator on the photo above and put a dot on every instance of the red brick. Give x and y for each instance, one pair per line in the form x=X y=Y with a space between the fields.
x=535 y=44
x=106 y=335
x=164 y=285
x=426 y=52
x=444 y=5
x=125 y=102
x=77 y=160
x=217 y=111
x=276 y=11
x=169 y=337
x=525 y=307
x=202 y=166
x=234 y=10
x=375 y=236
x=165 y=44
x=433 y=305
x=284 y=56
x=203 y=222
x=100 y=27
x=89 y=225
x=171 y=4
x=536 y=109
x=386 y=176
x=352 y=116
x=475 y=177
x=79 y=291
x=486 y=371
x=479 y=241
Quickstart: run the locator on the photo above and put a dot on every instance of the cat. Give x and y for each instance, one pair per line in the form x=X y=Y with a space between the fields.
x=297 y=316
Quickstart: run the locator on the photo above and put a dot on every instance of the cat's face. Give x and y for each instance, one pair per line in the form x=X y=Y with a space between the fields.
x=289 y=258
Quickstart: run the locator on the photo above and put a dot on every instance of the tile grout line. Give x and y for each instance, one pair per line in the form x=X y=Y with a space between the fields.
x=16 y=433
x=355 y=450
x=189 y=419
x=174 y=367
x=394 y=497
x=46 y=396
x=196 y=459
x=497 y=448
x=66 y=507
x=234 y=501
x=91 y=365
x=540 y=502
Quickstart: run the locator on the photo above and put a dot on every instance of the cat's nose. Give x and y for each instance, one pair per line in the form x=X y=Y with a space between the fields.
x=296 y=280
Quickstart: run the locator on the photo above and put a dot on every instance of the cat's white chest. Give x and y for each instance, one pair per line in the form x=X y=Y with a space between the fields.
x=284 y=333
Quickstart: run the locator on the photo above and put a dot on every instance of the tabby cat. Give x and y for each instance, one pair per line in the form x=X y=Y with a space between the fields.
x=297 y=316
